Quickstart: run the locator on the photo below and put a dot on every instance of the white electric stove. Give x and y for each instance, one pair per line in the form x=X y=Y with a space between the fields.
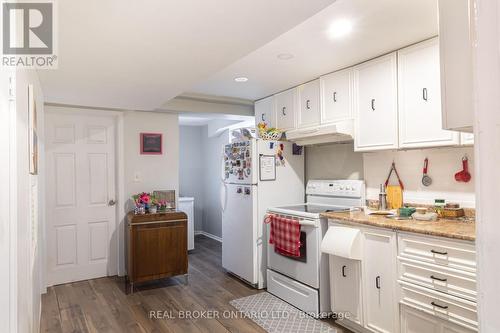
x=304 y=281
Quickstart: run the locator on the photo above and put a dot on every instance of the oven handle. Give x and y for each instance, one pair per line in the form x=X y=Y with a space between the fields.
x=302 y=221
x=308 y=223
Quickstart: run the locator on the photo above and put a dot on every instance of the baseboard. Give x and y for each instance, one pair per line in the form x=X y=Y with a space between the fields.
x=204 y=233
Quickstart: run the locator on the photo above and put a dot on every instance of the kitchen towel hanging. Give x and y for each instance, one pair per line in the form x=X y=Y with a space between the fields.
x=284 y=235
x=394 y=192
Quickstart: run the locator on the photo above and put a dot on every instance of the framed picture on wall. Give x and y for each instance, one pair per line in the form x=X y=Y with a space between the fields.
x=32 y=131
x=151 y=144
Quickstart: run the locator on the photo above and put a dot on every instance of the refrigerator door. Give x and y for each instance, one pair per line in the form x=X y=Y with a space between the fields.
x=239 y=163
x=239 y=232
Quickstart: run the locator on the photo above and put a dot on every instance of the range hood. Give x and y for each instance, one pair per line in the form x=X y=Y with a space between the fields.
x=341 y=131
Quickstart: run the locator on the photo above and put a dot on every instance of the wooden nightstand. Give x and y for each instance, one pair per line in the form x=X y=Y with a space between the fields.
x=156 y=246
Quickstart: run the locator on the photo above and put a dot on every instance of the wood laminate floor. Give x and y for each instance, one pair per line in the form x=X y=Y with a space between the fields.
x=101 y=305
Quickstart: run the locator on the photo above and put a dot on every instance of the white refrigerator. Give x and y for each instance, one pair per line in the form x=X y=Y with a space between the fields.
x=256 y=175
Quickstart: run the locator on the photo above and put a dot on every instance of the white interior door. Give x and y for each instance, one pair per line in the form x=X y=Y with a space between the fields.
x=81 y=221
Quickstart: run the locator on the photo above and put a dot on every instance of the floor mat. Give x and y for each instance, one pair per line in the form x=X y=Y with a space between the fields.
x=275 y=315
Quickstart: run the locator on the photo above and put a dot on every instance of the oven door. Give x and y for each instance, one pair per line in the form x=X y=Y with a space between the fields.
x=305 y=268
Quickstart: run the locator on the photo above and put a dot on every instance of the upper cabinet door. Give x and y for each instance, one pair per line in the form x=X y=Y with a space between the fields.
x=309 y=109
x=420 y=119
x=285 y=110
x=455 y=50
x=264 y=112
x=336 y=96
x=376 y=118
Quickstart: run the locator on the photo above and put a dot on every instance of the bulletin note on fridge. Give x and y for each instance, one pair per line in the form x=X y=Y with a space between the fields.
x=267 y=167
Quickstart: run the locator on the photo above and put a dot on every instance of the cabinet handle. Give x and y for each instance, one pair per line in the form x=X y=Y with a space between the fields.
x=343 y=271
x=283 y=110
x=441 y=253
x=373 y=104
x=307 y=104
x=424 y=94
x=439 y=306
x=335 y=97
x=377 y=282
x=439 y=279
x=262 y=116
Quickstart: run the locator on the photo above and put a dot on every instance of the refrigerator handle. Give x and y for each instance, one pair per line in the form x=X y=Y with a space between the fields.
x=222 y=166
x=223 y=196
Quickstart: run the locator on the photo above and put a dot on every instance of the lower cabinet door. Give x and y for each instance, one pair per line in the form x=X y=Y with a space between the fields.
x=414 y=321
x=379 y=275
x=346 y=290
x=452 y=328
x=160 y=250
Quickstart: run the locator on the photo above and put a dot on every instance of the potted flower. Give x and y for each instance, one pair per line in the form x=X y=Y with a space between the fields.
x=154 y=205
x=145 y=202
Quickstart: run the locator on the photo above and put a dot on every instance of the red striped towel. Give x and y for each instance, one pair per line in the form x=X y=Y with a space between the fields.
x=285 y=235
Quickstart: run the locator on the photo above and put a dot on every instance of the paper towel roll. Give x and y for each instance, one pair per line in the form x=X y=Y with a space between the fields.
x=342 y=242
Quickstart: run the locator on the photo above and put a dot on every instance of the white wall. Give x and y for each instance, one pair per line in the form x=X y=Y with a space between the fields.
x=27 y=231
x=333 y=161
x=192 y=169
x=212 y=154
x=5 y=202
x=487 y=132
x=443 y=164
x=156 y=172
x=339 y=161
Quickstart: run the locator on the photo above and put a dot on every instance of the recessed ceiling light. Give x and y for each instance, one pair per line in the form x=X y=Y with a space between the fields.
x=339 y=28
x=241 y=79
x=285 y=56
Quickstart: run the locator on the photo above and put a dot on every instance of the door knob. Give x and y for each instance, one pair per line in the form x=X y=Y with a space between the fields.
x=111 y=202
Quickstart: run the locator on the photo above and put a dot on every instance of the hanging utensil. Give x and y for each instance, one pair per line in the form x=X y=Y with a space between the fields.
x=394 y=192
x=464 y=175
x=426 y=180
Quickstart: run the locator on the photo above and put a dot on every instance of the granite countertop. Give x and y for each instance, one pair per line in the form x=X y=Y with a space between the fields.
x=457 y=229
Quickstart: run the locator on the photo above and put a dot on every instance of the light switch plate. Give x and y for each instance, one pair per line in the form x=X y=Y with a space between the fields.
x=137 y=177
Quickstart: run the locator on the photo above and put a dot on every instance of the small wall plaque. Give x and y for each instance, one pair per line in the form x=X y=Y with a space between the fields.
x=151 y=144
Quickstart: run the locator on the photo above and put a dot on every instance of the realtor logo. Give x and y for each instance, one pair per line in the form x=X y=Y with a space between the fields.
x=28 y=31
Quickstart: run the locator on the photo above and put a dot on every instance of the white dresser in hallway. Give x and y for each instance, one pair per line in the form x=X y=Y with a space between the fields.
x=186 y=205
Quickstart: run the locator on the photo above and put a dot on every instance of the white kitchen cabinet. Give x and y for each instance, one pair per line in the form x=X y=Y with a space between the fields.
x=415 y=321
x=455 y=45
x=186 y=205
x=336 y=96
x=285 y=109
x=451 y=328
x=379 y=275
x=467 y=139
x=376 y=104
x=309 y=104
x=346 y=295
x=264 y=112
x=419 y=98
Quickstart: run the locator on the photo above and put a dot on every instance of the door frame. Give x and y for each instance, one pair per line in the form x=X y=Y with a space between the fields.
x=486 y=79
x=8 y=204
x=117 y=260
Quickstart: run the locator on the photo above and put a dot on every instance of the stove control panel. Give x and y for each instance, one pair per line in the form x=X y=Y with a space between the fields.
x=336 y=188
